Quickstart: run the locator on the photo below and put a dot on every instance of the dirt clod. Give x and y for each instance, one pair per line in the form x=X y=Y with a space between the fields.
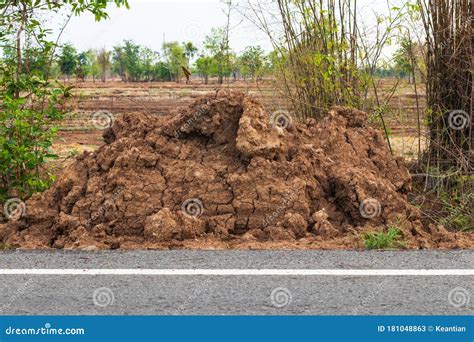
x=220 y=174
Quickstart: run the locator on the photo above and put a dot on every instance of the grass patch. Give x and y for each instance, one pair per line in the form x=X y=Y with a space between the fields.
x=5 y=247
x=391 y=239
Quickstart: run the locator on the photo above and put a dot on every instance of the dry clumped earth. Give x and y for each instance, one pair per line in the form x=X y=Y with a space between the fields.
x=224 y=173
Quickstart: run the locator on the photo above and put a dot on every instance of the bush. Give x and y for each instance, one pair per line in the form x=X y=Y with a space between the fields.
x=27 y=129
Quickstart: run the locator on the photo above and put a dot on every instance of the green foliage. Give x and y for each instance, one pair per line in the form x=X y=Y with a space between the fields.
x=189 y=51
x=458 y=207
x=26 y=137
x=131 y=54
x=118 y=61
x=5 y=247
x=323 y=56
x=83 y=65
x=103 y=63
x=409 y=59
x=392 y=238
x=72 y=153
x=206 y=66
x=175 y=58
x=31 y=104
x=35 y=61
x=217 y=46
x=161 y=72
x=95 y=68
x=135 y=63
x=148 y=58
x=252 y=62
x=68 y=60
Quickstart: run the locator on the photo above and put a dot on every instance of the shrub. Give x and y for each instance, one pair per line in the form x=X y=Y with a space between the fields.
x=26 y=137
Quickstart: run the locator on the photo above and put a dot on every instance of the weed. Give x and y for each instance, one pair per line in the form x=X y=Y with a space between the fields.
x=458 y=209
x=392 y=238
x=5 y=247
x=72 y=153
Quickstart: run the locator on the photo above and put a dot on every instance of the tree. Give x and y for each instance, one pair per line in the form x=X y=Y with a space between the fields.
x=126 y=61
x=30 y=102
x=251 y=62
x=83 y=65
x=326 y=57
x=103 y=60
x=95 y=66
x=175 y=58
x=450 y=88
x=161 y=72
x=35 y=61
x=409 y=59
x=118 y=62
x=189 y=52
x=148 y=61
x=68 y=60
x=217 y=45
x=132 y=61
x=205 y=66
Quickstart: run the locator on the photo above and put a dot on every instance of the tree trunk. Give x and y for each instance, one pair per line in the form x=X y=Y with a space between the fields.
x=449 y=85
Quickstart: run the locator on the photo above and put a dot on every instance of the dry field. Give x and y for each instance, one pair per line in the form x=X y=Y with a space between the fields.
x=78 y=133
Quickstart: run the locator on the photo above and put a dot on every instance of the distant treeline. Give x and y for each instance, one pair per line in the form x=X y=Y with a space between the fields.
x=135 y=63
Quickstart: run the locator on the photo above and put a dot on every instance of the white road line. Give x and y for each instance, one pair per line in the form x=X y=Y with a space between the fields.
x=243 y=272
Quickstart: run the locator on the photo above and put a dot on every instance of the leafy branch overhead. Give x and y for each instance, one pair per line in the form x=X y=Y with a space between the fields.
x=32 y=104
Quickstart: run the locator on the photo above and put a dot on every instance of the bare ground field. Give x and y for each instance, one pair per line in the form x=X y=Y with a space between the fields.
x=78 y=133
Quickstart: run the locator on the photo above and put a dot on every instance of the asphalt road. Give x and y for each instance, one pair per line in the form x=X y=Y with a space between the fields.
x=237 y=294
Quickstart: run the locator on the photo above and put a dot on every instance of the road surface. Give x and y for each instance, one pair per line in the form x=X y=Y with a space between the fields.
x=237 y=282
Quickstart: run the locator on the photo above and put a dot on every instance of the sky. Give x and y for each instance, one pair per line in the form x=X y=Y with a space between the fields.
x=151 y=22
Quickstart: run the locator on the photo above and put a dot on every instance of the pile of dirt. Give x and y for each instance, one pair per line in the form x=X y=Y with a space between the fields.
x=224 y=173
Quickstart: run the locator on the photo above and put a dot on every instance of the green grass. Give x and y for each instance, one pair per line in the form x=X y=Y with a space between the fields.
x=4 y=247
x=391 y=239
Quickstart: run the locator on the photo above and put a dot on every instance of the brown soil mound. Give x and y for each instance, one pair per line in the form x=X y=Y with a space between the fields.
x=221 y=174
